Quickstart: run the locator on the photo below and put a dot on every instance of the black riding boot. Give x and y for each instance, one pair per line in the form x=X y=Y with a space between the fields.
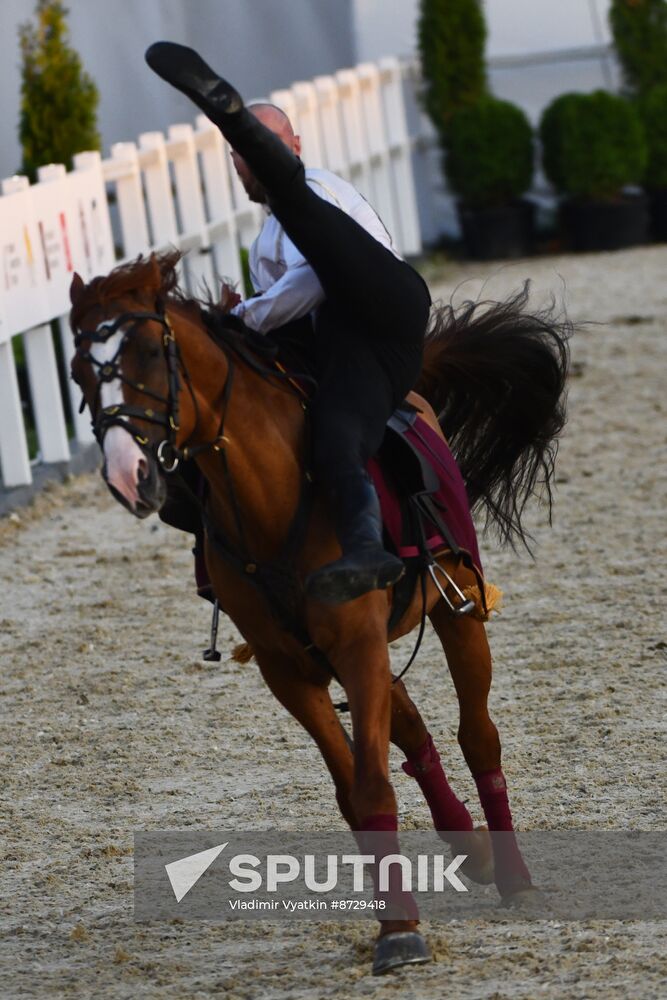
x=365 y=564
x=271 y=162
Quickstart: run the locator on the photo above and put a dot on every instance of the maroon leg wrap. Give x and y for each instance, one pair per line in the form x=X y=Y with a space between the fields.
x=511 y=871
x=379 y=837
x=448 y=812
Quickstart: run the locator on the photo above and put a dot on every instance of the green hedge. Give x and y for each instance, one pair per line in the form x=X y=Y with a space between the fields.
x=639 y=28
x=593 y=145
x=489 y=160
x=653 y=109
x=452 y=36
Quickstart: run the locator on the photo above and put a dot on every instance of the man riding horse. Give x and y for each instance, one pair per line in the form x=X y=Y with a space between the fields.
x=333 y=288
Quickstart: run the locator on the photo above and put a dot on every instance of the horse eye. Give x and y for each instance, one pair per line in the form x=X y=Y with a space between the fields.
x=148 y=351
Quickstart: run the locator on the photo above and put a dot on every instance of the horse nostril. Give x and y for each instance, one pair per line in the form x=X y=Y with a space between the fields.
x=142 y=469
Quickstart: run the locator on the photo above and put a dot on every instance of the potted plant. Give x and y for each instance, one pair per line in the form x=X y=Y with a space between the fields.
x=653 y=109
x=593 y=150
x=489 y=165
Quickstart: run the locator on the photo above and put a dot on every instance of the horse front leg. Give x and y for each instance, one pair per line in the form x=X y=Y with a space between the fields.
x=310 y=704
x=354 y=639
x=469 y=659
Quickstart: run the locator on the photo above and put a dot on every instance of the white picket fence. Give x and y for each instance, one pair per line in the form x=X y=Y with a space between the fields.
x=178 y=190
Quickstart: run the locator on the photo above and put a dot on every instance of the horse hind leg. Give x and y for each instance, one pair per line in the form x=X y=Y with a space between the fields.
x=469 y=659
x=450 y=815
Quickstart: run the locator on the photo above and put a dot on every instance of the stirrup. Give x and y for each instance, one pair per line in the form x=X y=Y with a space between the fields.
x=466 y=606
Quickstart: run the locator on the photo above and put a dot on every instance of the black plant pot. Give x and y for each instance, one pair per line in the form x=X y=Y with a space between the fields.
x=659 y=215
x=498 y=233
x=606 y=225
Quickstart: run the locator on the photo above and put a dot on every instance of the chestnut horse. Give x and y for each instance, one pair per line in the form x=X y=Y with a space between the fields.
x=160 y=386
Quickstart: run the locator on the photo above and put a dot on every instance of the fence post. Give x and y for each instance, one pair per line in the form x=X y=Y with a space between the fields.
x=432 y=198
x=391 y=89
x=336 y=156
x=157 y=184
x=378 y=150
x=183 y=155
x=40 y=356
x=350 y=105
x=221 y=225
x=55 y=172
x=14 y=459
x=305 y=101
x=132 y=212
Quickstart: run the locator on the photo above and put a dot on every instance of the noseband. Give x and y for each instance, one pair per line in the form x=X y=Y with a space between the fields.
x=121 y=415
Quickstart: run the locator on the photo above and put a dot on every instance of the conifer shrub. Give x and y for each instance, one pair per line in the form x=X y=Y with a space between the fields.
x=452 y=37
x=58 y=98
x=639 y=28
x=653 y=109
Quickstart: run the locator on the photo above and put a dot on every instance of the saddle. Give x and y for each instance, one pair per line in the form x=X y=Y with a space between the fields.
x=425 y=511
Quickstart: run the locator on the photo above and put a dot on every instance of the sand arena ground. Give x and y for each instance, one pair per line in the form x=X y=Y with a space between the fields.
x=111 y=723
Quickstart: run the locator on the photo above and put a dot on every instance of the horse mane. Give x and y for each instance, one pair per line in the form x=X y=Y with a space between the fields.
x=155 y=274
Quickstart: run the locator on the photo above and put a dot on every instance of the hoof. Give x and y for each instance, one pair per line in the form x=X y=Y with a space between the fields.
x=527 y=900
x=397 y=949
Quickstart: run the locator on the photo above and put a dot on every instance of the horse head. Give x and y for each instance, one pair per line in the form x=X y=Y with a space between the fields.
x=128 y=366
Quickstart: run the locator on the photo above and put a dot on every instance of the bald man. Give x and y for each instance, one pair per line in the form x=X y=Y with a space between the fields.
x=288 y=286
x=332 y=285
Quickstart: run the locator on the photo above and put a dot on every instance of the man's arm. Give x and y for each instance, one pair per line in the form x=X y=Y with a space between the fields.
x=291 y=297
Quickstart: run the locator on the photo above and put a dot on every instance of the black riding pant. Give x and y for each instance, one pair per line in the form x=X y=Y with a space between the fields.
x=368 y=335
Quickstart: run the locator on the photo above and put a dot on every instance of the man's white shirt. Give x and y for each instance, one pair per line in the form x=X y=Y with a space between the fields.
x=288 y=285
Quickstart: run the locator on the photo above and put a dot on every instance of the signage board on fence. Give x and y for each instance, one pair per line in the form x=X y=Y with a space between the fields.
x=49 y=231
x=91 y=227
x=72 y=220
x=23 y=278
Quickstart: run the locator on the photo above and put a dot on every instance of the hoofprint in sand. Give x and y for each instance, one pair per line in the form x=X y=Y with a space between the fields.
x=113 y=724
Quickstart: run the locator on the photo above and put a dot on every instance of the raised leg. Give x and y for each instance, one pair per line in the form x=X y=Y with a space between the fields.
x=352 y=266
x=469 y=659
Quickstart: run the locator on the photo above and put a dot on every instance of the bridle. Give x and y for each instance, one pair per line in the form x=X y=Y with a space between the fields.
x=167 y=454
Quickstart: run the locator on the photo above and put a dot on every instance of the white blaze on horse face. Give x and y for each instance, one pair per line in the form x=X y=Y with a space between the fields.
x=123 y=457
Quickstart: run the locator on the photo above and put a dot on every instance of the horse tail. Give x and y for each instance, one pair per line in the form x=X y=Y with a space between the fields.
x=495 y=374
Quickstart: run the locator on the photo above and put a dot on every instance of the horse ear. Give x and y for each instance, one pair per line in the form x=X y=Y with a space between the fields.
x=76 y=287
x=156 y=270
